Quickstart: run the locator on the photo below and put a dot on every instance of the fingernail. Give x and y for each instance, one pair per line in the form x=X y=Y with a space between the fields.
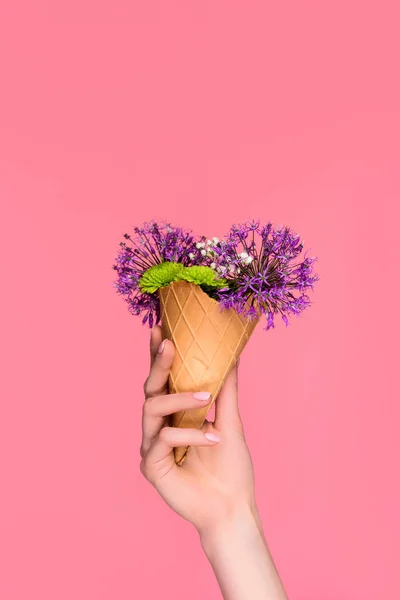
x=212 y=437
x=201 y=395
x=161 y=347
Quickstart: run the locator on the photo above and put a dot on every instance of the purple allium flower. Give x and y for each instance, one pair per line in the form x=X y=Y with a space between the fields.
x=263 y=268
x=152 y=244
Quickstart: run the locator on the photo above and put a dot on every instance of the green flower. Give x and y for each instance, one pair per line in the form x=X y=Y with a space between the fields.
x=159 y=276
x=201 y=275
x=166 y=272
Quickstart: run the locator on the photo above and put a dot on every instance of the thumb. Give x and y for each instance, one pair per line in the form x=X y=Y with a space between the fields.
x=226 y=405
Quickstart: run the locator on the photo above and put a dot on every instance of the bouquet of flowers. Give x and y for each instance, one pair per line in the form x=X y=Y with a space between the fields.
x=209 y=295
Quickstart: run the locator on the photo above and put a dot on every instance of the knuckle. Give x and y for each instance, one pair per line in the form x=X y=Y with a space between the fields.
x=151 y=406
x=143 y=467
x=164 y=434
x=146 y=471
x=147 y=407
x=150 y=391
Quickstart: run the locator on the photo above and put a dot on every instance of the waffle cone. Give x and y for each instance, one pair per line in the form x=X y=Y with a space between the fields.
x=208 y=341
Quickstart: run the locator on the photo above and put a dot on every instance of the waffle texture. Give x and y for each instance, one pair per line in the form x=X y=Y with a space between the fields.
x=208 y=341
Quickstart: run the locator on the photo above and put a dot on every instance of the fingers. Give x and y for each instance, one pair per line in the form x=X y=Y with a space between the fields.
x=174 y=437
x=156 y=408
x=162 y=355
x=161 y=406
x=226 y=404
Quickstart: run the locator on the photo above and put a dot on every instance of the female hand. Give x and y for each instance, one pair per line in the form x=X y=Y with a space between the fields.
x=216 y=479
x=214 y=488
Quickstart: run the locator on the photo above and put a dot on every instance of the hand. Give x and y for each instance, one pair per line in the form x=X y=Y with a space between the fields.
x=216 y=479
x=214 y=488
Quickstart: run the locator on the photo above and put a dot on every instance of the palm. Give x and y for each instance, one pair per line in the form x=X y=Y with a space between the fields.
x=215 y=479
x=212 y=481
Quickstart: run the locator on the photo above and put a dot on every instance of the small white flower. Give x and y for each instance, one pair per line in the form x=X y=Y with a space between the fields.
x=223 y=269
x=215 y=240
x=231 y=269
x=248 y=260
x=243 y=255
x=191 y=255
x=200 y=245
x=213 y=265
x=209 y=243
x=203 y=252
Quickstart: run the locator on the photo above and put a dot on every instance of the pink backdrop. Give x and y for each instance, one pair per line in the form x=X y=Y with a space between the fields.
x=205 y=113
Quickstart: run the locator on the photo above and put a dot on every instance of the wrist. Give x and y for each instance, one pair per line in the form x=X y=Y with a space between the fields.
x=238 y=553
x=241 y=525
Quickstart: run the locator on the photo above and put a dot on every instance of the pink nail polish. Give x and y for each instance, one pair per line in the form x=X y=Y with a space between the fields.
x=161 y=347
x=212 y=437
x=202 y=395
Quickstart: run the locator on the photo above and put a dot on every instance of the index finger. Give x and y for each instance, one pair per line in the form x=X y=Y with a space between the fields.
x=155 y=341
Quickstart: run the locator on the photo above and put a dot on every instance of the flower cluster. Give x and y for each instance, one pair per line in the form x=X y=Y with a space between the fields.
x=256 y=269
x=262 y=268
x=152 y=244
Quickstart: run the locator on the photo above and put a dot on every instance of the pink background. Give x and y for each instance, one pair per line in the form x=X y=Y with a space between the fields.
x=114 y=112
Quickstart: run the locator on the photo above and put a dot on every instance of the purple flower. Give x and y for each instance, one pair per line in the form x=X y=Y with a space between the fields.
x=263 y=268
x=152 y=244
x=262 y=265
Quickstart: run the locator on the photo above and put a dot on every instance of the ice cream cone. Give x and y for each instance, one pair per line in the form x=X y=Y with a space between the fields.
x=208 y=341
